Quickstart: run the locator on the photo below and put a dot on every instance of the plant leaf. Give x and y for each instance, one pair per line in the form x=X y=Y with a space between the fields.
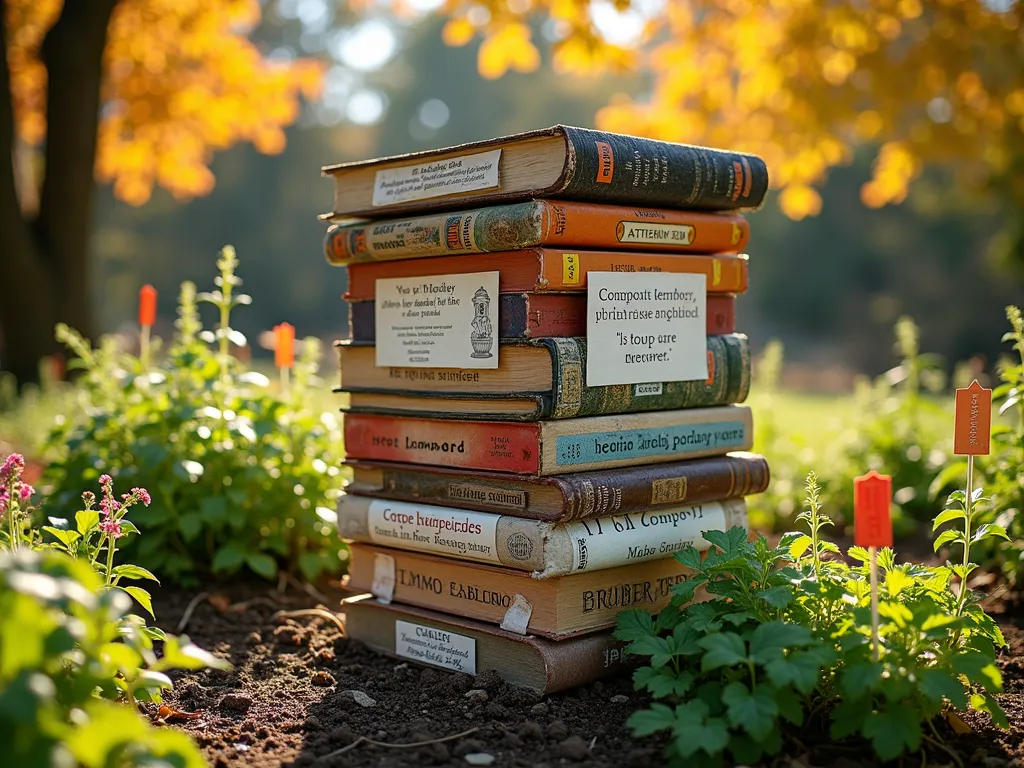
x=129 y=571
x=800 y=669
x=770 y=638
x=263 y=564
x=753 y=712
x=800 y=545
x=722 y=650
x=948 y=515
x=632 y=625
x=947 y=536
x=142 y=597
x=892 y=731
x=648 y=721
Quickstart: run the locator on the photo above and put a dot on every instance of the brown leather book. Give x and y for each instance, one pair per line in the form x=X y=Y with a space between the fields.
x=463 y=645
x=562 y=161
x=565 y=497
x=555 y=608
x=538 y=270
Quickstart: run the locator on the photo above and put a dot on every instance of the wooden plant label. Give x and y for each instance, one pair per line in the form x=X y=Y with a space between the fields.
x=147 y=306
x=973 y=426
x=872 y=498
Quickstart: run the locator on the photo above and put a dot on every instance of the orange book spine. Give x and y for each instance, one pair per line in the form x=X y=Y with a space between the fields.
x=568 y=270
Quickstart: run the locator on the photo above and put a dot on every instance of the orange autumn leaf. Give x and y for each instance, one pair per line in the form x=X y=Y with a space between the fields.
x=181 y=80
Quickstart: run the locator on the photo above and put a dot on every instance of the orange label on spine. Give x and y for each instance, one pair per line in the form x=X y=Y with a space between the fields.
x=872 y=498
x=973 y=425
x=711 y=369
x=605 y=163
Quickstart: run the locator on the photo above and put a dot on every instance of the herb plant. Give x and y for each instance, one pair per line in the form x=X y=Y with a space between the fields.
x=241 y=477
x=784 y=643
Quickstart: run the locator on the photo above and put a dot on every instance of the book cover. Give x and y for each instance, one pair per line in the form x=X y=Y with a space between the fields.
x=536 y=315
x=561 y=161
x=551 y=447
x=545 y=549
x=528 y=225
x=555 y=608
x=472 y=647
x=563 y=498
x=728 y=382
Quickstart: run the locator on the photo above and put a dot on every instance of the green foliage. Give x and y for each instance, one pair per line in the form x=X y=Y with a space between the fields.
x=69 y=651
x=241 y=477
x=897 y=424
x=784 y=643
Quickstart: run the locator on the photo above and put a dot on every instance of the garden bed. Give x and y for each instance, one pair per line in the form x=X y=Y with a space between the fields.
x=289 y=702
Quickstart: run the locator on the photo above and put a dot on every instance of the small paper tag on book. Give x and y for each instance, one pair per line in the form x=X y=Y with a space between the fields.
x=646 y=327
x=437 y=647
x=383 y=586
x=517 y=617
x=440 y=321
x=436 y=178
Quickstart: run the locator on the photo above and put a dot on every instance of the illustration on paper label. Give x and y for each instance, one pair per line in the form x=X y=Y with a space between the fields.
x=482 y=336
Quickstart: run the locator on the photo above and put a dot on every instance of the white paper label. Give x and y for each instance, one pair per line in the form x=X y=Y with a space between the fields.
x=437 y=647
x=647 y=390
x=442 y=321
x=383 y=587
x=606 y=542
x=440 y=530
x=517 y=617
x=436 y=179
x=649 y=232
x=646 y=327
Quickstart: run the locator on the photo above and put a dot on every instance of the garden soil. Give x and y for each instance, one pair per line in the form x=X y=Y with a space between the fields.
x=301 y=695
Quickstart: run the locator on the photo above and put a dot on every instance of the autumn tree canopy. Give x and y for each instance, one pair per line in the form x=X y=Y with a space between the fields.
x=800 y=82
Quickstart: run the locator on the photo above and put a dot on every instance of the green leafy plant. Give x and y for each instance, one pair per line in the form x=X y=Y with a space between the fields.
x=241 y=477
x=784 y=644
x=69 y=651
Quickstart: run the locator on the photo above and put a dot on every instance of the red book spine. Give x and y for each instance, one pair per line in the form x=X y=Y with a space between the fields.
x=504 y=446
x=721 y=311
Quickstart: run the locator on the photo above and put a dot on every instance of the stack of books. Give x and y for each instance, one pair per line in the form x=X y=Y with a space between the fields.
x=544 y=386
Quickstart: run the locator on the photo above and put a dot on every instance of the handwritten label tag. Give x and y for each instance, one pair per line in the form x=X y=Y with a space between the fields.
x=872 y=499
x=436 y=178
x=443 y=531
x=606 y=542
x=972 y=428
x=442 y=321
x=437 y=647
x=646 y=327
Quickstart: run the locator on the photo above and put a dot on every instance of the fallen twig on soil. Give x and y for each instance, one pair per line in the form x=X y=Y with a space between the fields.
x=323 y=614
x=410 y=745
x=309 y=589
x=195 y=601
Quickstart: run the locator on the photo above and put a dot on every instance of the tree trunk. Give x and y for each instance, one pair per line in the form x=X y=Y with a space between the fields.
x=45 y=264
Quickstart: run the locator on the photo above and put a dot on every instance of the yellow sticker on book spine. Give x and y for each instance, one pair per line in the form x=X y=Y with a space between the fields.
x=570 y=268
x=716 y=272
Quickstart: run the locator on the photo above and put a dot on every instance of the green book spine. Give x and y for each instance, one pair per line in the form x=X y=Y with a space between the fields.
x=729 y=382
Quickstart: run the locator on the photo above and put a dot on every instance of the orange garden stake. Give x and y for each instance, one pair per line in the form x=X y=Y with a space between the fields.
x=872 y=498
x=284 y=352
x=147 y=318
x=972 y=428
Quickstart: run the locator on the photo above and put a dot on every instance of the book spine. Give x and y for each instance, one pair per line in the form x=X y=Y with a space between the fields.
x=568 y=270
x=728 y=382
x=529 y=545
x=534 y=316
x=609 y=492
x=500 y=228
x=502 y=446
x=612 y=167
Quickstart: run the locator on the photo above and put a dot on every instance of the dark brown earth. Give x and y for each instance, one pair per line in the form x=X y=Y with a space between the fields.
x=297 y=697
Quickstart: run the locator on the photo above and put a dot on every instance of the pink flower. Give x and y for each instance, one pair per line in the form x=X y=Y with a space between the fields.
x=111 y=526
x=88 y=498
x=109 y=506
x=12 y=466
x=26 y=491
x=142 y=495
x=106 y=480
x=5 y=498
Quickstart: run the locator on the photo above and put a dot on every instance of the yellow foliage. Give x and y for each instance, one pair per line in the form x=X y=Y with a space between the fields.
x=181 y=80
x=803 y=82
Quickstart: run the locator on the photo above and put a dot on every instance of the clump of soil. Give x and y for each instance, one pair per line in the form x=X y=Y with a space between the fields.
x=303 y=696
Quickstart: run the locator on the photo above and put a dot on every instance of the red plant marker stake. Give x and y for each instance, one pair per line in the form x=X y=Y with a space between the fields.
x=872 y=498
x=147 y=318
x=972 y=432
x=284 y=352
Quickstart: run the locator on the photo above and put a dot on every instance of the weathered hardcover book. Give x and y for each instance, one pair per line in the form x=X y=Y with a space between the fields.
x=562 y=161
x=473 y=647
x=545 y=549
x=538 y=270
x=531 y=224
x=536 y=315
x=551 y=447
x=569 y=397
x=555 y=608
x=563 y=498
x=557 y=369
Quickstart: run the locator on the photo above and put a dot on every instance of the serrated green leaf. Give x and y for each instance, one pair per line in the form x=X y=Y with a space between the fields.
x=690 y=557
x=800 y=545
x=738 y=617
x=685 y=590
x=701 y=617
x=857 y=679
x=859 y=554
x=651 y=645
x=948 y=515
x=776 y=597
x=897 y=613
x=939 y=685
x=801 y=669
x=632 y=625
x=662 y=682
x=897 y=580
x=790 y=707
x=753 y=712
x=848 y=719
x=892 y=731
x=693 y=731
x=142 y=597
x=989 y=529
x=769 y=640
x=658 y=717
x=722 y=650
